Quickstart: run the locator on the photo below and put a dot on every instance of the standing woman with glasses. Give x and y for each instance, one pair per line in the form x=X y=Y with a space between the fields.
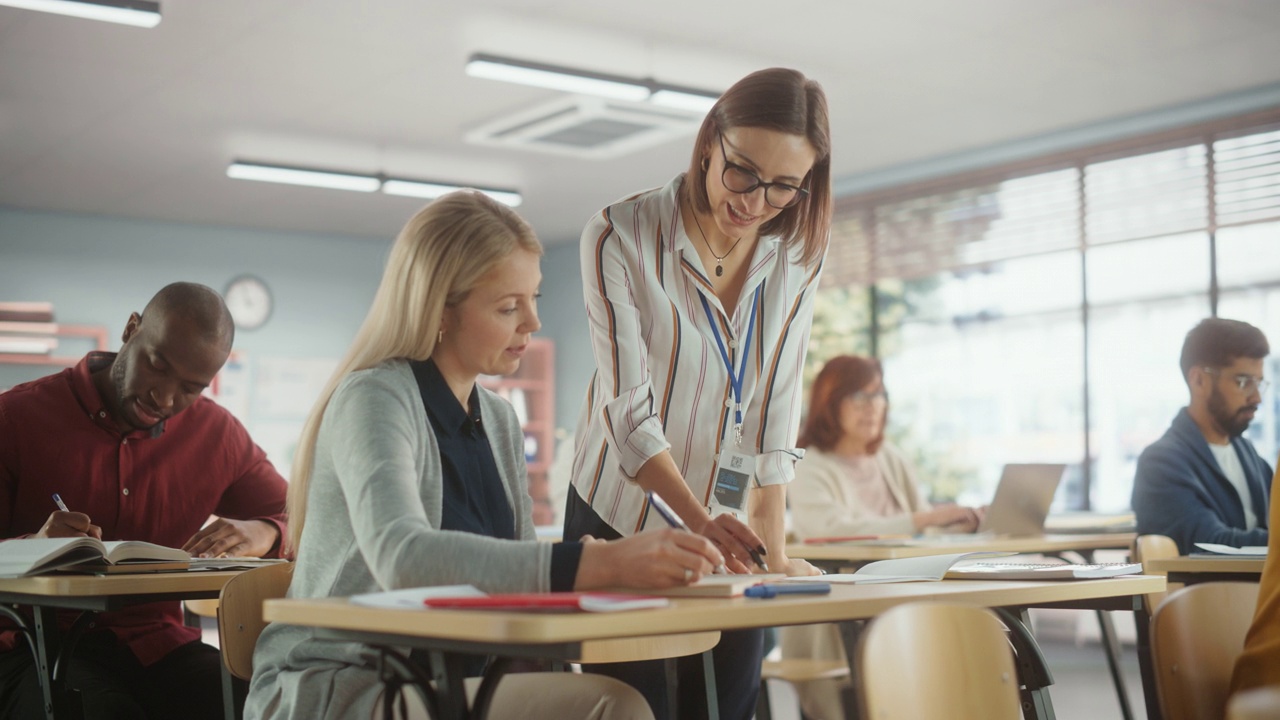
x=851 y=482
x=699 y=297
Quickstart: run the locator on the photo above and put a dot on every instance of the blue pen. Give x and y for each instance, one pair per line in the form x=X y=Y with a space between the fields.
x=674 y=521
x=764 y=590
x=61 y=505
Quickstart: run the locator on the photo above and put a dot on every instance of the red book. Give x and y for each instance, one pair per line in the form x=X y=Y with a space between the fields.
x=550 y=602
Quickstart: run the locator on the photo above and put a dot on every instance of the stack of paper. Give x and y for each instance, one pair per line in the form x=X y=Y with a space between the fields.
x=1216 y=549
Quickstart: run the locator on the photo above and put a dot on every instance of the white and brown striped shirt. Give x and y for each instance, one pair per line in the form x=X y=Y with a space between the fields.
x=660 y=380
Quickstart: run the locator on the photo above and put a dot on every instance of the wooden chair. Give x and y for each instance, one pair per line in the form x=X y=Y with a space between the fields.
x=240 y=622
x=927 y=660
x=1257 y=704
x=795 y=670
x=1196 y=635
x=1146 y=548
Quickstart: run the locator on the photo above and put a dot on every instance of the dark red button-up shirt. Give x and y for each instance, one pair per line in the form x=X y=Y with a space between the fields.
x=159 y=485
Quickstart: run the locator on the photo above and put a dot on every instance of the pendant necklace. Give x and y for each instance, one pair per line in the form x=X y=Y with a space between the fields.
x=719 y=258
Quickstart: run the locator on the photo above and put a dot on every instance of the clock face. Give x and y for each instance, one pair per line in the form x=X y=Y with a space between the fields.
x=249 y=301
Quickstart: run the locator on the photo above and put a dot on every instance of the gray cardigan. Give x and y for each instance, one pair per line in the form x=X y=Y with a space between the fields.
x=373 y=513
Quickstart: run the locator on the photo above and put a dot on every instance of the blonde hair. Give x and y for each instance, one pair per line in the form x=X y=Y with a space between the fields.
x=436 y=260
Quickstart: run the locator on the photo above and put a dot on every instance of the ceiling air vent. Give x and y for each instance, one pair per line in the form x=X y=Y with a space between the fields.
x=587 y=127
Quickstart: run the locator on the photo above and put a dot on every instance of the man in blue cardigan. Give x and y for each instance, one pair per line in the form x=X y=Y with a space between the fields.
x=1202 y=481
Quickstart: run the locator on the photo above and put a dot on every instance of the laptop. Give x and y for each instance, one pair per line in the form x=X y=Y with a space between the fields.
x=1022 y=499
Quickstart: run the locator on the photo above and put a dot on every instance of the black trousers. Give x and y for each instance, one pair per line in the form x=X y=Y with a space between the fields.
x=737 y=658
x=113 y=685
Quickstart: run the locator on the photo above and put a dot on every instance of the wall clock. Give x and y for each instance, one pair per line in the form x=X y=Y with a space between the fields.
x=249 y=300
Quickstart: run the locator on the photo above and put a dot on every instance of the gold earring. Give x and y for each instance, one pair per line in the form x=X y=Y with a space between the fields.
x=440 y=336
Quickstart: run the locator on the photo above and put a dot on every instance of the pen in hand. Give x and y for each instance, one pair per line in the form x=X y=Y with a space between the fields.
x=61 y=505
x=674 y=520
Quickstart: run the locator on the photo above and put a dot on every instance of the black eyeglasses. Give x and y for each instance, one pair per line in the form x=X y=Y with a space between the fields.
x=740 y=180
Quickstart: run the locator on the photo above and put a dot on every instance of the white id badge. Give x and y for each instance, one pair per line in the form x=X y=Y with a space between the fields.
x=734 y=472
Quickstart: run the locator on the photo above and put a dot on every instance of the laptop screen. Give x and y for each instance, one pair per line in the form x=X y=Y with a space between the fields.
x=1022 y=499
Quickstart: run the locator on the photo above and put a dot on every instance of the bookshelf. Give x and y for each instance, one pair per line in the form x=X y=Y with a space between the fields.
x=29 y=336
x=531 y=391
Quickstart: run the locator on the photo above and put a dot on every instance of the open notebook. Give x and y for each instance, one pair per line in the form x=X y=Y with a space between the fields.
x=35 y=556
x=926 y=568
x=1042 y=571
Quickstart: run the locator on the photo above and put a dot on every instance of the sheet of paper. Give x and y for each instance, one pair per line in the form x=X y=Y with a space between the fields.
x=1228 y=550
x=411 y=598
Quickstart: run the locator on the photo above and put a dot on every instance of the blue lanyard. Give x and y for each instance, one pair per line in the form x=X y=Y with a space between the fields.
x=735 y=382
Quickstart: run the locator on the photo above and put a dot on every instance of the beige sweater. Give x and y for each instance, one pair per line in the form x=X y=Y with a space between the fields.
x=824 y=503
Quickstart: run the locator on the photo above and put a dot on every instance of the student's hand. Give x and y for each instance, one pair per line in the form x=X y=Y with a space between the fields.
x=732 y=537
x=234 y=538
x=952 y=517
x=653 y=559
x=68 y=524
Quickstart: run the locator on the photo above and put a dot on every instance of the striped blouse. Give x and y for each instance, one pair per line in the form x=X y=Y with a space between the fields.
x=660 y=381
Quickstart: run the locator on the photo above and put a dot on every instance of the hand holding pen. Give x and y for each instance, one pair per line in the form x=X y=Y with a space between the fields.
x=739 y=543
x=65 y=523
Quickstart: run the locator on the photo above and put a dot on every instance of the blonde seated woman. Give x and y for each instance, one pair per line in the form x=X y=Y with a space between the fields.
x=851 y=482
x=410 y=474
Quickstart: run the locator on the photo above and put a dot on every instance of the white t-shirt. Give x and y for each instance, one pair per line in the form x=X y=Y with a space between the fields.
x=1229 y=461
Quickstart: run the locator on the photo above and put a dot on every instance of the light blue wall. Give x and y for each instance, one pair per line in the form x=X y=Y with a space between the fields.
x=564 y=320
x=97 y=270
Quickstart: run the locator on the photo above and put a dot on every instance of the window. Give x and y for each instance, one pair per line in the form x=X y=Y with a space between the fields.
x=1037 y=315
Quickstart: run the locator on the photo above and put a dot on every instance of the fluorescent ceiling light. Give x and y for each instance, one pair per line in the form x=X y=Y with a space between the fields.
x=359 y=183
x=584 y=82
x=683 y=99
x=300 y=176
x=431 y=190
x=556 y=78
x=139 y=13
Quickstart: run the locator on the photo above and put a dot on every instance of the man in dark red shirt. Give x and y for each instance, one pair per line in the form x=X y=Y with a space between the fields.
x=136 y=453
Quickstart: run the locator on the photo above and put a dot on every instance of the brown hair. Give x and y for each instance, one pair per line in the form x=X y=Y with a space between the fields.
x=841 y=377
x=1218 y=342
x=784 y=100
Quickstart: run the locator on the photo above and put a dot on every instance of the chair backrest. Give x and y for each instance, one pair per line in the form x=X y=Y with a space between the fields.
x=1154 y=547
x=240 y=613
x=1196 y=635
x=926 y=660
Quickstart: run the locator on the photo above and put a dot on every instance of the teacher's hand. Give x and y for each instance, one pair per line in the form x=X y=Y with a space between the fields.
x=732 y=537
x=653 y=559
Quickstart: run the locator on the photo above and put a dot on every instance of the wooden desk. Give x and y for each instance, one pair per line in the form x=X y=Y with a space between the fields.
x=47 y=594
x=541 y=635
x=834 y=556
x=1190 y=570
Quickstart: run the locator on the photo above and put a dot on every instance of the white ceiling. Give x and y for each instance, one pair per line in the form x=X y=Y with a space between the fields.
x=100 y=118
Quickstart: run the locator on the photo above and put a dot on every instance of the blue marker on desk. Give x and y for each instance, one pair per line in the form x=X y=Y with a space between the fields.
x=765 y=590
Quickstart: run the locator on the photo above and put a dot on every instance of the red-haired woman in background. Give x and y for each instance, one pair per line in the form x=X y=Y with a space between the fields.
x=851 y=482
